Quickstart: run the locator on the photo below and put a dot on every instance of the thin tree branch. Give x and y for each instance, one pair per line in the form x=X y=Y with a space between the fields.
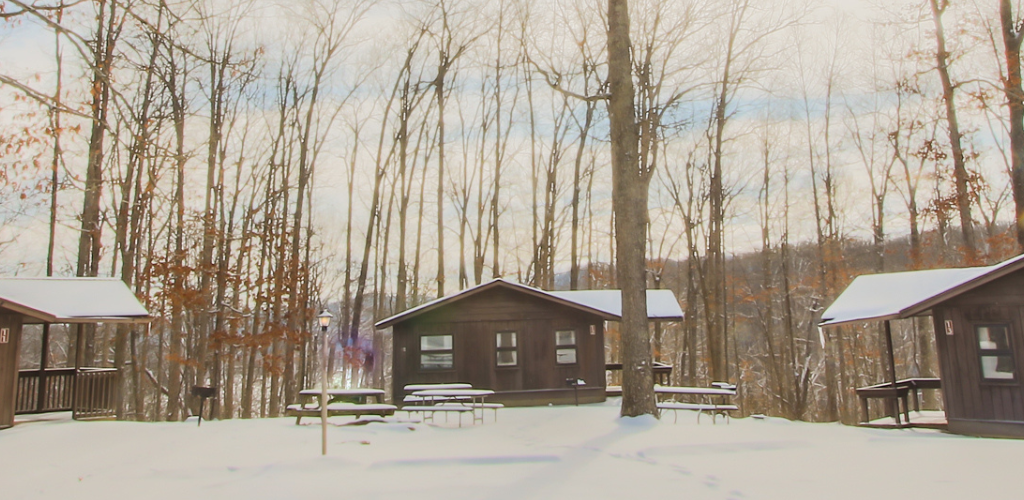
x=44 y=99
x=38 y=8
x=554 y=81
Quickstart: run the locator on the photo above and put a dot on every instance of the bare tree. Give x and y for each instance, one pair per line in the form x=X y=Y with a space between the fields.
x=1012 y=36
x=960 y=174
x=629 y=199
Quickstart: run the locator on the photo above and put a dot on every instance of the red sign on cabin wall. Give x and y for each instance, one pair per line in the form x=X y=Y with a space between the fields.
x=5 y=335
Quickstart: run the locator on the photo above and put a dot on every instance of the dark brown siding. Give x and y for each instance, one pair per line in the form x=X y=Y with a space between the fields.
x=9 y=366
x=968 y=398
x=474 y=322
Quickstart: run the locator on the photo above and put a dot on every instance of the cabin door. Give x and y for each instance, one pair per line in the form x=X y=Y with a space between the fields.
x=10 y=335
x=509 y=354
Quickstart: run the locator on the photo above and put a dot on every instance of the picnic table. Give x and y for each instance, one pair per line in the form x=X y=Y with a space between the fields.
x=893 y=395
x=452 y=400
x=355 y=395
x=351 y=402
x=426 y=387
x=713 y=400
x=412 y=388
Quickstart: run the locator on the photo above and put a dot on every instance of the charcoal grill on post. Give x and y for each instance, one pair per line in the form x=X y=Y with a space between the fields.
x=575 y=383
x=202 y=392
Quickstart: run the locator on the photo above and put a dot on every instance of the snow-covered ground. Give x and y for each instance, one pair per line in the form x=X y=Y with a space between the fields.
x=562 y=452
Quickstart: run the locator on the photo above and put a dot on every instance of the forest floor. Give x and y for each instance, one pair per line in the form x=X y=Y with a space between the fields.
x=562 y=452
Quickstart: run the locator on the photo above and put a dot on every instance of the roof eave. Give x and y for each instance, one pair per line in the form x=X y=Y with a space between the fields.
x=927 y=304
x=667 y=318
x=91 y=321
x=884 y=317
x=136 y=320
x=35 y=316
x=30 y=312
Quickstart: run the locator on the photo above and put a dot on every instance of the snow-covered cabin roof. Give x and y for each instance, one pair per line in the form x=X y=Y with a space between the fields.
x=879 y=297
x=661 y=304
x=72 y=300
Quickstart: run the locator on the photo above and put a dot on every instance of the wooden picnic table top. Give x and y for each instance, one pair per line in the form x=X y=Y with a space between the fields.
x=912 y=383
x=883 y=392
x=473 y=393
x=440 y=387
x=343 y=392
x=361 y=407
x=704 y=391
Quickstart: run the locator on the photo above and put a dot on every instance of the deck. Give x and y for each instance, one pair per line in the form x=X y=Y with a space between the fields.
x=925 y=419
x=87 y=392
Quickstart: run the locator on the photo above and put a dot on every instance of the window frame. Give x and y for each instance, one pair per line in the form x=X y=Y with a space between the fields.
x=564 y=347
x=996 y=353
x=449 y=352
x=514 y=349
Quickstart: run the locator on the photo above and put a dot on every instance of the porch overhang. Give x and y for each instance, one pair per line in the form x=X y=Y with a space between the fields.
x=72 y=300
x=889 y=296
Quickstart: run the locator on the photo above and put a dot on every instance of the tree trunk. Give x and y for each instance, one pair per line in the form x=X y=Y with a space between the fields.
x=629 y=201
x=178 y=276
x=439 y=85
x=963 y=197
x=1015 y=104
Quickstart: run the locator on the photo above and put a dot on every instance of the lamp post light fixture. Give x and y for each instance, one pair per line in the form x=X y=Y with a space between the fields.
x=325 y=320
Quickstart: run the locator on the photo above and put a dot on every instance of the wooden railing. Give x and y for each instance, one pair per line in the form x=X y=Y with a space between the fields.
x=96 y=393
x=57 y=390
x=662 y=372
x=91 y=393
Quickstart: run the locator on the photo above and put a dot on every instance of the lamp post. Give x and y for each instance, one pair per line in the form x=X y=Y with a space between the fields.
x=325 y=321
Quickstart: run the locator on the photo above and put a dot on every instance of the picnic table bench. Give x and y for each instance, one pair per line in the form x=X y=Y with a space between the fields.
x=712 y=400
x=429 y=399
x=351 y=402
x=428 y=411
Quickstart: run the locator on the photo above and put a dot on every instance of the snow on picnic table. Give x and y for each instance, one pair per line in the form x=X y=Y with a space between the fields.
x=530 y=453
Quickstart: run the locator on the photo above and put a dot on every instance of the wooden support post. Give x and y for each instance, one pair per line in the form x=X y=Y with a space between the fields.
x=895 y=412
x=77 y=379
x=892 y=356
x=44 y=351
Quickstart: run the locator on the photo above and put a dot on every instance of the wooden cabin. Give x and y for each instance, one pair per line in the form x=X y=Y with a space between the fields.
x=978 y=317
x=521 y=342
x=87 y=392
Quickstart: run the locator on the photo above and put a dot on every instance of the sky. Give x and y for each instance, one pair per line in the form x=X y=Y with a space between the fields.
x=553 y=452
x=24 y=52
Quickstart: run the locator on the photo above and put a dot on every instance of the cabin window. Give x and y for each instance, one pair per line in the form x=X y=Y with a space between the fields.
x=995 y=353
x=506 y=348
x=436 y=352
x=565 y=347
